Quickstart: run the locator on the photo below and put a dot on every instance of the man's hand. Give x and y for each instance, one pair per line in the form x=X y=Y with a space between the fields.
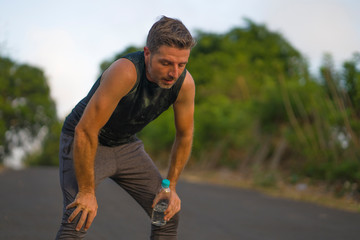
x=174 y=204
x=86 y=205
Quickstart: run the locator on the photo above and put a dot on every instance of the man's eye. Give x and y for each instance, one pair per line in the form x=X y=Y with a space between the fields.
x=165 y=63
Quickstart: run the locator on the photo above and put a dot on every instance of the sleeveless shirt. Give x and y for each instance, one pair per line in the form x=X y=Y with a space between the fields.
x=145 y=102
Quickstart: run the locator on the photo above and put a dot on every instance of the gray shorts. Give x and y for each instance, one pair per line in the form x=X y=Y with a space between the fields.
x=129 y=166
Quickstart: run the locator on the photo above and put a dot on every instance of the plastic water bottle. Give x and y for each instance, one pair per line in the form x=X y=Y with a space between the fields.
x=157 y=217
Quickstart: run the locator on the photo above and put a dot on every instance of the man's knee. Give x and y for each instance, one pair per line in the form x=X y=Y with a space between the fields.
x=68 y=230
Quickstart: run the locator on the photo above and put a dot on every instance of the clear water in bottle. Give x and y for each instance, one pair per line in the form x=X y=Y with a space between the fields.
x=158 y=213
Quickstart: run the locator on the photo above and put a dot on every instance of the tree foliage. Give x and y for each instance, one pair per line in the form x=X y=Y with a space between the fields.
x=26 y=106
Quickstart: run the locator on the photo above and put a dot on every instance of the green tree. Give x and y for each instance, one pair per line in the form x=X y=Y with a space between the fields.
x=351 y=78
x=26 y=106
x=238 y=73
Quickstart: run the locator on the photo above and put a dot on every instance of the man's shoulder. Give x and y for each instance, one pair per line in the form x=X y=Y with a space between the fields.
x=187 y=91
x=121 y=74
x=189 y=82
x=122 y=66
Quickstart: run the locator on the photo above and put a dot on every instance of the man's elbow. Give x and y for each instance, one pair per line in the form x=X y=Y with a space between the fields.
x=82 y=133
x=185 y=135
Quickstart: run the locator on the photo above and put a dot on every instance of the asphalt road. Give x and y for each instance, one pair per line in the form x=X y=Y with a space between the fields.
x=31 y=209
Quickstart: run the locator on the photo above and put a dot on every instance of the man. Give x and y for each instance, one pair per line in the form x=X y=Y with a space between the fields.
x=98 y=137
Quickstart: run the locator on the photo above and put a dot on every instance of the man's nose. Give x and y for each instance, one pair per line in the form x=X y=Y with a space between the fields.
x=174 y=72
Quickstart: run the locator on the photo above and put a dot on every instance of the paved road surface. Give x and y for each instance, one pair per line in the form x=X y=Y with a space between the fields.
x=31 y=208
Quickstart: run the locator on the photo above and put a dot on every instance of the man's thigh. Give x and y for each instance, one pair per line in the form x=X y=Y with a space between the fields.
x=138 y=175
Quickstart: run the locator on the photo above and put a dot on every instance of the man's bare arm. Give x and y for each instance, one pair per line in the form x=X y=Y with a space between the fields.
x=184 y=124
x=116 y=82
x=180 y=153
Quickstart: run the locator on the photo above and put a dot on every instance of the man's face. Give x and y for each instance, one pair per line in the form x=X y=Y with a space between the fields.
x=165 y=66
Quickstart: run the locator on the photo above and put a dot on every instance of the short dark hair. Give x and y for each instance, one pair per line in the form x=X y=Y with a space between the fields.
x=170 y=32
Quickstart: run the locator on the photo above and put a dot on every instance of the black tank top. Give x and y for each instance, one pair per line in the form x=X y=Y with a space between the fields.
x=145 y=102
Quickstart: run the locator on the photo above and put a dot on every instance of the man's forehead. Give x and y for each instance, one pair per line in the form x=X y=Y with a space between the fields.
x=172 y=54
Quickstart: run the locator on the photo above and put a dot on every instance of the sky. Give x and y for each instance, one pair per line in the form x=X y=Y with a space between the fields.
x=69 y=39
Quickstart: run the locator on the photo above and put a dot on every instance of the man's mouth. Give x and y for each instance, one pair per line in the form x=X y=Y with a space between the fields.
x=168 y=80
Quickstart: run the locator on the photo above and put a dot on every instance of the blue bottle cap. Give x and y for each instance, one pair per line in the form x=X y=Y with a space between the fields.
x=165 y=183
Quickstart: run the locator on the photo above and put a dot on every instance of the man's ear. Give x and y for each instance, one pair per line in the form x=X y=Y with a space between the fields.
x=146 y=51
x=147 y=54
